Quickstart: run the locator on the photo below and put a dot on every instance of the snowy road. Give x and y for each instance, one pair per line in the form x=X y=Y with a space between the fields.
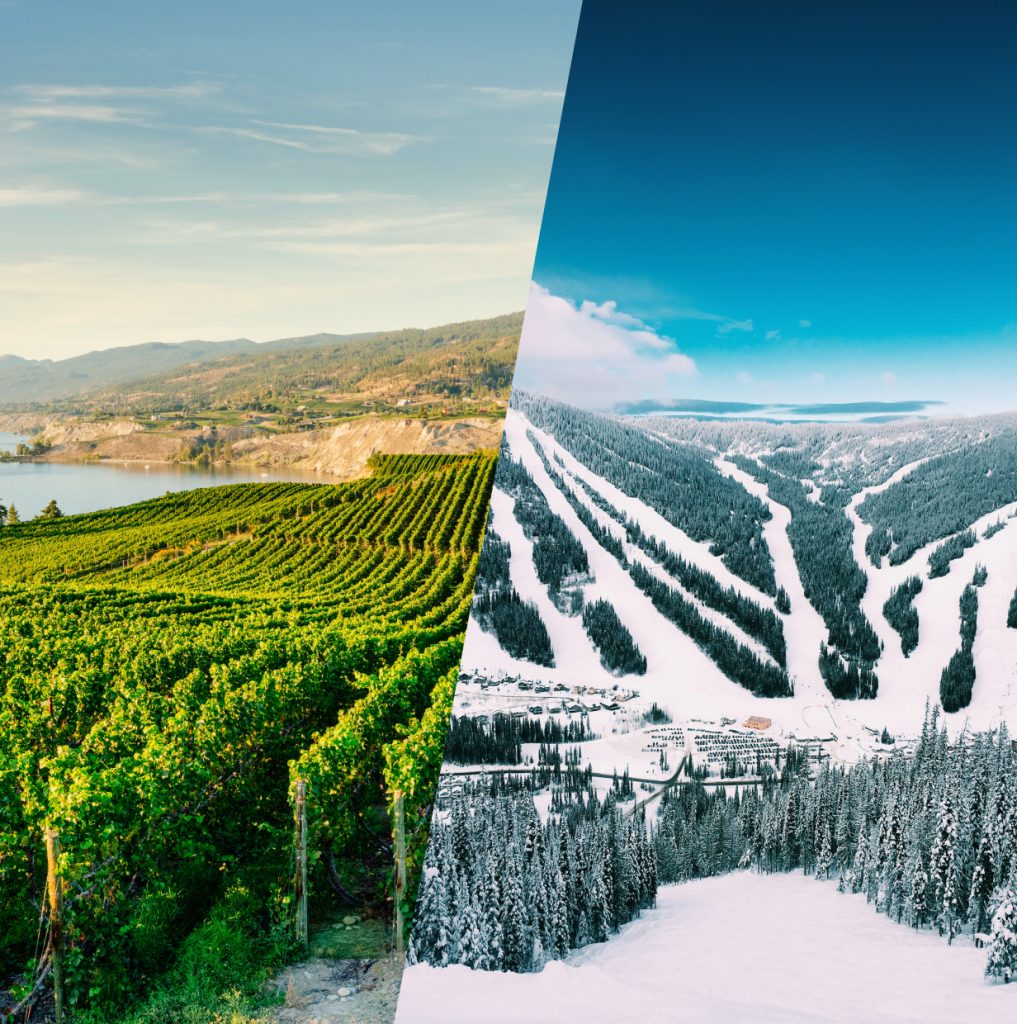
x=741 y=949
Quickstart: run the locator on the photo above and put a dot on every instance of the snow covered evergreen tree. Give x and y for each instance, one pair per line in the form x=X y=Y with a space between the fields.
x=1002 y=960
x=944 y=869
x=928 y=834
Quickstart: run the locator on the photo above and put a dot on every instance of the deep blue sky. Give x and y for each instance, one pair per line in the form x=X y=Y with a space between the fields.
x=206 y=169
x=842 y=173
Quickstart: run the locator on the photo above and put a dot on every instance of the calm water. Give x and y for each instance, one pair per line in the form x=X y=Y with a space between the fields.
x=85 y=488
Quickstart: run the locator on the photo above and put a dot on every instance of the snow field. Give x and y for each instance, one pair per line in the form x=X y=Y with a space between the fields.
x=909 y=682
x=742 y=948
x=677 y=670
x=804 y=629
x=649 y=520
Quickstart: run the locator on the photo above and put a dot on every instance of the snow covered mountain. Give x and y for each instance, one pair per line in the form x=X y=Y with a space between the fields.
x=832 y=577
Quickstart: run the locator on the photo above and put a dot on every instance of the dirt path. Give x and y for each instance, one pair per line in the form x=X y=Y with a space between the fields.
x=342 y=991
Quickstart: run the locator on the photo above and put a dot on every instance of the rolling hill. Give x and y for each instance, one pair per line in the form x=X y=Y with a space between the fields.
x=470 y=360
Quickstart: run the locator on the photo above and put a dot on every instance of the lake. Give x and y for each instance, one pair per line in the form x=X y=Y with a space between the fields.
x=86 y=487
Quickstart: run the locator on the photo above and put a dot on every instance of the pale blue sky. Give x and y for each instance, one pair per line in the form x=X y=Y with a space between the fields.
x=262 y=170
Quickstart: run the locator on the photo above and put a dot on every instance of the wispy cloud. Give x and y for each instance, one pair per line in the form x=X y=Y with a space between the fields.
x=36 y=195
x=35 y=104
x=187 y=91
x=517 y=97
x=21 y=117
x=253 y=198
x=316 y=138
x=323 y=233
x=368 y=249
x=46 y=195
x=727 y=326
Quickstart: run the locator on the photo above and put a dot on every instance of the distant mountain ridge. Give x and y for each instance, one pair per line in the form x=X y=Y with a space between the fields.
x=42 y=380
x=163 y=371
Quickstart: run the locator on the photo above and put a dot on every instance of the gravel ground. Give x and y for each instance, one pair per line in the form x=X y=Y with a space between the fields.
x=326 y=991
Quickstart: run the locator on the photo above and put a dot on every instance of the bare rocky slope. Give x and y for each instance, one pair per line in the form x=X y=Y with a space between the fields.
x=341 y=451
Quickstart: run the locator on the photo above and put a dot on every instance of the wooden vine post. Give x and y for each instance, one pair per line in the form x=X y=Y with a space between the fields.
x=55 y=892
x=300 y=874
x=399 y=831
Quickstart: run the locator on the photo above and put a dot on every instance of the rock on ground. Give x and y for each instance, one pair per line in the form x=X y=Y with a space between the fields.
x=340 y=991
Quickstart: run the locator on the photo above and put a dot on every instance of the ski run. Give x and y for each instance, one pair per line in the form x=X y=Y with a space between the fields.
x=713 y=674
x=739 y=949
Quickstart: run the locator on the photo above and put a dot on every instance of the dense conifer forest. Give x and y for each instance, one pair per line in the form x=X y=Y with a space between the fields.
x=500 y=741
x=942 y=496
x=929 y=835
x=498 y=607
x=949 y=551
x=758 y=622
x=735 y=660
x=618 y=651
x=958 y=679
x=820 y=537
x=557 y=555
x=504 y=890
x=680 y=483
x=900 y=612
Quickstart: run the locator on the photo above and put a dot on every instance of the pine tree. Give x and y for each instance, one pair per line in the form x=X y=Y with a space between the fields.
x=430 y=936
x=491 y=897
x=843 y=831
x=982 y=882
x=456 y=917
x=473 y=950
x=560 y=916
x=1002 y=959
x=51 y=511
x=944 y=868
x=584 y=935
x=518 y=944
x=825 y=857
x=12 y=516
x=919 y=895
x=860 y=865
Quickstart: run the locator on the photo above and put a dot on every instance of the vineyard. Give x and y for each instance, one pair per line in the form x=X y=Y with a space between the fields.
x=169 y=669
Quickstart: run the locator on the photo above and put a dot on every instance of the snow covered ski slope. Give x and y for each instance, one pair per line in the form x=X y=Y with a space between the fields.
x=751 y=565
x=705 y=661
x=739 y=949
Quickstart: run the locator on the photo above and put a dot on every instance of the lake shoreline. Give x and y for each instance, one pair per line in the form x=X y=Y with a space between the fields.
x=92 y=466
x=60 y=460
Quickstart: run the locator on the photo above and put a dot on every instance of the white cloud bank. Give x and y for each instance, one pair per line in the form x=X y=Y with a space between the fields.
x=595 y=355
